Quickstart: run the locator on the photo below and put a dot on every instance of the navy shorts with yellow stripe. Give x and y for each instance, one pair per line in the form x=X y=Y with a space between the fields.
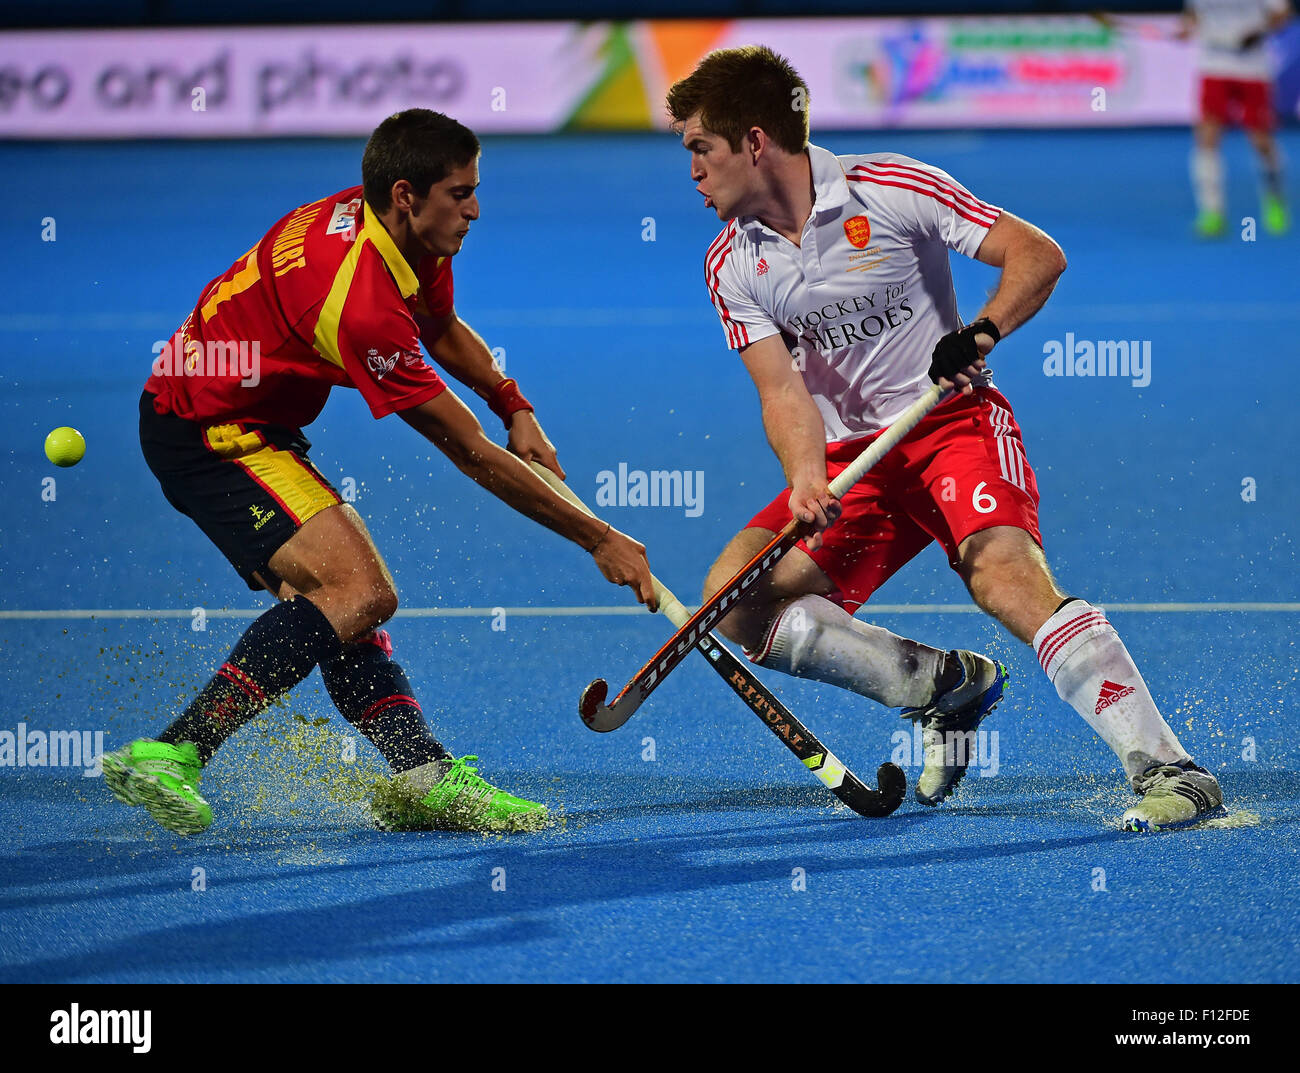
x=249 y=487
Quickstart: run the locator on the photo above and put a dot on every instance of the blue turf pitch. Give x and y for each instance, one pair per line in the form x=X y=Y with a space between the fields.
x=684 y=866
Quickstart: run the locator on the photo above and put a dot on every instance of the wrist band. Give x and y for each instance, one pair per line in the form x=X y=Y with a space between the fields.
x=505 y=400
x=987 y=327
x=592 y=549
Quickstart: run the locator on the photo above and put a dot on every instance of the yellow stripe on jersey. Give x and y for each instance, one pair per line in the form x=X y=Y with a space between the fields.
x=290 y=480
x=240 y=281
x=326 y=338
x=407 y=281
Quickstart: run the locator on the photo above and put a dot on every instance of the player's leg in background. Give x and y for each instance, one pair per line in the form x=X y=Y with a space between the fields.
x=1207 y=165
x=788 y=623
x=1272 y=184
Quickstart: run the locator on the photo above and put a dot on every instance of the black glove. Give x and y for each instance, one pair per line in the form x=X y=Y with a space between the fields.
x=1251 y=40
x=957 y=350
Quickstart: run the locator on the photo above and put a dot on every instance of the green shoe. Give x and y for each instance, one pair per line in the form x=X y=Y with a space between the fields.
x=164 y=779
x=449 y=795
x=1276 y=219
x=1210 y=224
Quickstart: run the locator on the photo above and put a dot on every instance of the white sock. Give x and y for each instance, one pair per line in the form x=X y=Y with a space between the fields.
x=814 y=638
x=1094 y=674
x=1207 y=179
x=1270 y=174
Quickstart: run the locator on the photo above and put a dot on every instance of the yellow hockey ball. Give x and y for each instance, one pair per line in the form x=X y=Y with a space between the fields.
x=65 y=446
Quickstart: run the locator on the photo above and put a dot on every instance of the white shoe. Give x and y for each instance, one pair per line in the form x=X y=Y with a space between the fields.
x=949 y=723
x=1173 y=796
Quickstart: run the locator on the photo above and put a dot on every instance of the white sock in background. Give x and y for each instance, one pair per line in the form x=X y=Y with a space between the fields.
x=1207 y=179
x=1270 y=174
x=1094 y=674
x=814 y=638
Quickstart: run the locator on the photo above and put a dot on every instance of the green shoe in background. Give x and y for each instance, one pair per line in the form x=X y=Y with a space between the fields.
x=1210 y=224
x=449 y=795
x=1277 y=220
x=164 y=779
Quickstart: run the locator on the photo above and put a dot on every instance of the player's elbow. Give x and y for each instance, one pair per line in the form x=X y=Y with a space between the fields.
x=1059 y=264
x=1049 y=255
x=462 y=447
x=470 y=456
x=465 y=459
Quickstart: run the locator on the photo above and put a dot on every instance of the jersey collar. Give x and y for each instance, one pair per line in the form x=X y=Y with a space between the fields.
x=404 y=275
x=830 y=188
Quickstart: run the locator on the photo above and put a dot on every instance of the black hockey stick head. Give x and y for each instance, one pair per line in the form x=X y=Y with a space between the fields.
x=592 y=701
x=602 y=717
x=891 y=788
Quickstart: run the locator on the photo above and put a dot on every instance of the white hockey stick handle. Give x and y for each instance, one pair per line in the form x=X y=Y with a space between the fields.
x=669 y=605
x=911 y=417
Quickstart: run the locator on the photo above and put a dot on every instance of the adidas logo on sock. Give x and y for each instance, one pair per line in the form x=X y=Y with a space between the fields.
x=1111 y=693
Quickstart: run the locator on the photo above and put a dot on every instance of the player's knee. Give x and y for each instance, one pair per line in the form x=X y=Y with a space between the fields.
x=990 y=593
x=741 y=629
x=379 y=604
x=745 y=624
x=1014 y=591
x=713 y=581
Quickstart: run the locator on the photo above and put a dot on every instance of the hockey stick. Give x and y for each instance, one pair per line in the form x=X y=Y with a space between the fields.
x=604 y=717
x=1134 y=25
x=796 y=737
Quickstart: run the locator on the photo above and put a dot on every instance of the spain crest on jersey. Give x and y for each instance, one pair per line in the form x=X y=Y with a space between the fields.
x=379 y=365
x=858 y=230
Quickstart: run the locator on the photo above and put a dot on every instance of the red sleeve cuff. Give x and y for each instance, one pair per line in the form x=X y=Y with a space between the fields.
x=389 y=405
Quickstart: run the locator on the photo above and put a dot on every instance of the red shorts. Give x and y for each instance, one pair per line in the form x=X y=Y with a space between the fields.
x=1237 y=101
x=962 y=469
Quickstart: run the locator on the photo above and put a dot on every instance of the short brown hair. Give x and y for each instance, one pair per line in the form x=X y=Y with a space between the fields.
x=417 y=145
x=736 y=89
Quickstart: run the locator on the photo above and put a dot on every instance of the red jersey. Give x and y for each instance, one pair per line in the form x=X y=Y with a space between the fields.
x=325 y=299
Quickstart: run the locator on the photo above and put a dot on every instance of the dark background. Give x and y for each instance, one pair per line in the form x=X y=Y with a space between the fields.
x=58 y=13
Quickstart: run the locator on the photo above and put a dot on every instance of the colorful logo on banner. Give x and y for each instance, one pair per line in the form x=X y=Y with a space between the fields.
x=935 y=62
x=635 y=64
x=862 y=73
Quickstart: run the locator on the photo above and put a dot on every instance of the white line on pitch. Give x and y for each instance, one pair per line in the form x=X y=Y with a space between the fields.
x=663 y=316
x=571 y=612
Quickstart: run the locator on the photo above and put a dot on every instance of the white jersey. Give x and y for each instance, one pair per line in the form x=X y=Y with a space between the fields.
x=863 y=299
x=1220 y=27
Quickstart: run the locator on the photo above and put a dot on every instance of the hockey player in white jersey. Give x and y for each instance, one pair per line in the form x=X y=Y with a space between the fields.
x=1236 y=87
x=831 y=279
